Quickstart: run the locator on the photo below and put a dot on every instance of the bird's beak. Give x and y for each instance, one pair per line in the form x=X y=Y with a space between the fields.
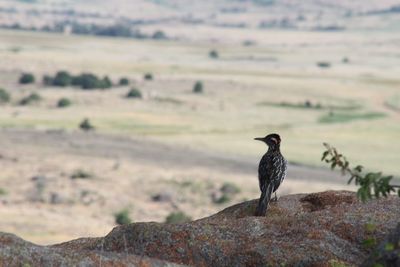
x=259 y=138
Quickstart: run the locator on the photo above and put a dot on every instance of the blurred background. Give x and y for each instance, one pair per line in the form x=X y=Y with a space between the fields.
x=145 y=110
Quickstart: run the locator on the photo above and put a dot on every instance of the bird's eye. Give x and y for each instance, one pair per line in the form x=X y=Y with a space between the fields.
x=275 y=140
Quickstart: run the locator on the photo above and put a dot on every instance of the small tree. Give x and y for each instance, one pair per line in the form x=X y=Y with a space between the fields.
x=123 y=81
x=122 y=217
x=177 y=217
x=371 y=184
x=198 y=87
x=62 y=79
x=134 y=93
x=4 y=96
x=32 y=98
x=26 y=78
x=148 y=76
x=213 y=54
x=105 y=83
x=85 y=125
x=64 y=102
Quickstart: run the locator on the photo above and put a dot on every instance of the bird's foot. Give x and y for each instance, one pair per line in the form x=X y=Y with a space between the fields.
x=275 y=198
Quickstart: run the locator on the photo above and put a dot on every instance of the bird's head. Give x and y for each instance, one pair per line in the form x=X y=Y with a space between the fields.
x=272 y=140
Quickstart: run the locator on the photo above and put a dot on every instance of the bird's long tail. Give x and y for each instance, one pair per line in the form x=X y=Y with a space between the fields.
x=264 y=200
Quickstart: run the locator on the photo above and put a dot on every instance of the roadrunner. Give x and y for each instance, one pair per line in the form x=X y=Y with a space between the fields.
x=271 y=171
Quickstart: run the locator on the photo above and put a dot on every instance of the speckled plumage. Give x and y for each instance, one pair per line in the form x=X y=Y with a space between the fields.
x=271 y=171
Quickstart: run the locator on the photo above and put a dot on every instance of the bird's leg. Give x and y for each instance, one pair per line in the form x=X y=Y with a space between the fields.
x=275 y=199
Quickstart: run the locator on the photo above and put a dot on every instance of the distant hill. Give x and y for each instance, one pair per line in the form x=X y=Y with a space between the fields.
x=319 y=15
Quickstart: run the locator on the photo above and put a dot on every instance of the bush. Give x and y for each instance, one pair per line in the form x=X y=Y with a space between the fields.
x=85 y=125
x=122 y=217
x=105 y=83
x=224 y=198
x=159 y=35
x=177 y=217
x=198 y=87
x=62 y=78
x=134 y=93
x=26 y=78
x=4 y=96
x=148 y=76
x=123 y=81
x=32 y=98
x=213 y=54
x=345 y=60
x=324 y=64
x=229 y=188
x=64 y=102
x=3 y=192
x=48 y=80
x=81 y=174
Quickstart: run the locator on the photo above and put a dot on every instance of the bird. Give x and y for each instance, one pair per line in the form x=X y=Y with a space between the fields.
x=271 y=171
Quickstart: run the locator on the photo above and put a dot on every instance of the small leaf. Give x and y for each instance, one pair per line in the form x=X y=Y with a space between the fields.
x=369 y=242
x=389 y=247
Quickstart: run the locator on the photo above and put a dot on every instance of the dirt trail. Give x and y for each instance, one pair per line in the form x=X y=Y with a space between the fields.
x=142 y=150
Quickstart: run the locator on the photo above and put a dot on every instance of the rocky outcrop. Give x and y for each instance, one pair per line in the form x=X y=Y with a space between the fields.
x=319 y=229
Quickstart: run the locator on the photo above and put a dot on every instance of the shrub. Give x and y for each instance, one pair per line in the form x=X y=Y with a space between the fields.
x=81 y=174
x=198 y=87
x=64 y=102
x=159 y=35
x=123 y=81
x=4 y=96
x=105 y=83
x=224 y=198
x=3 y=192
x=213 y=54
x=134 y=93
x=148 y=76
x=324 y=64
x=177 y=217
x=48 y=80
x=229 y=188
x=32 y=98
x=26 y=78
x=345 y=60
x=122 y=217
x=62 y=78
x=87 y=81
x=85 y=125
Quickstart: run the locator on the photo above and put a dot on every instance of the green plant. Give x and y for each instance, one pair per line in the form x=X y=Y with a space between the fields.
x=224 y=198
x=64 y=102
x=48 y=80
x=62 y=79
x=32 y=98
x=198 y=87
x=26 y=78
x=148 y=76
x=177 y=217
x=4 y=96
x=122 y=217
x=3 y=192
x=229 y=188
x=123 y=81
x=324 y=64
x=85 y=125
x=134 y=93
x=336 y=117
x=213 y=54
x=371 y=184
x=81 y=174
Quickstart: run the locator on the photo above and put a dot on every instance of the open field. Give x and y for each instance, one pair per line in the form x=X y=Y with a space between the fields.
x=182 y=143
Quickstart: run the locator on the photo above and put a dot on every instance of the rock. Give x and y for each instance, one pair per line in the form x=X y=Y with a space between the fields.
x=387 y=253
x=17 y=252
x=321 y=229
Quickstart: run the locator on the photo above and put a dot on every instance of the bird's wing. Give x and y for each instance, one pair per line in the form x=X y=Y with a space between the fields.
x=266 y=171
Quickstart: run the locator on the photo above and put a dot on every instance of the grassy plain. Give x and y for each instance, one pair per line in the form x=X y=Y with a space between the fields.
x=274 y=85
